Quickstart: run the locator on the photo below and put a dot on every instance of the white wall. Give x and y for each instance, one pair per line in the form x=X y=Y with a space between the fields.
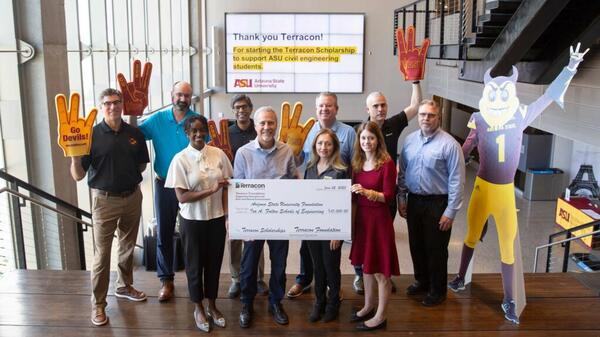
x=380 y=65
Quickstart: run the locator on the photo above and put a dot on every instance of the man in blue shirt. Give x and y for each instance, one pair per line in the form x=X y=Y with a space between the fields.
x=327 y=108
x=430 y=182
x=264 y=158
x=165 y=130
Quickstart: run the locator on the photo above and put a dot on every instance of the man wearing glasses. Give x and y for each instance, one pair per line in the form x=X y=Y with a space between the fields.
x=165 y=130
x=241 y=133
x=117 y=158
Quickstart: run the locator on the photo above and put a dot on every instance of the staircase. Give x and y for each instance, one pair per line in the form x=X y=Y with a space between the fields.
x=534 y=35
x=489 y=25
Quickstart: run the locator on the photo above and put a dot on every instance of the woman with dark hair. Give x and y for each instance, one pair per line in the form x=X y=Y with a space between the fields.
x=199 y=175
x=373 y=242
x=326 y=163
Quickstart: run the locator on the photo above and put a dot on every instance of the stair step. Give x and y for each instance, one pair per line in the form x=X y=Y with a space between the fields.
x=488 y=30
x=503 y=6
x=496 y=18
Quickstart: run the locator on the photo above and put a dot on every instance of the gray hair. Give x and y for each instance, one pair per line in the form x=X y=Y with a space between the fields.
x=264 y=109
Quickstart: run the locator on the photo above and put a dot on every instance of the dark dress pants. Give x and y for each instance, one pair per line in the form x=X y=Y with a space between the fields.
x=166 y=207
x=278 y=251
x=428 y=244
x=306 y=266
x=204 y=244
x=327 y=272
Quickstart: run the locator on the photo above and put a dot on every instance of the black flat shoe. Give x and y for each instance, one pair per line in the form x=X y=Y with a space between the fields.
x=355 y=318
x=362 y=327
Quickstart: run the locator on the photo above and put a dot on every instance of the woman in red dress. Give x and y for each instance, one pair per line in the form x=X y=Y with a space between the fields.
x=373 y=242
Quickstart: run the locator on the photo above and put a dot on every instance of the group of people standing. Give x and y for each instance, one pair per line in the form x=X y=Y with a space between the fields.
x=424 y=183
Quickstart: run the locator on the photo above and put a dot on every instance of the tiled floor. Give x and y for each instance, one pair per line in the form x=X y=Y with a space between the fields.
x=536 y=223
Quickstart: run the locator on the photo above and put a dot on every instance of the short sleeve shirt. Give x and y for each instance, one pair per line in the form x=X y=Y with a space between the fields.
x=115 y=157
x=168 y=137
x=499 y=148
x=239 y=137
x=391 y=130
x=195 y=170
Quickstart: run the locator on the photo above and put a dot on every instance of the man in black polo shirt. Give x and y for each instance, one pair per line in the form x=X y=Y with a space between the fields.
x=241 y=133
x=117 y=158
x=392 y=127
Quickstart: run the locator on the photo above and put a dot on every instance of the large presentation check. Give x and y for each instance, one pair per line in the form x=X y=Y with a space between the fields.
x=289 y=209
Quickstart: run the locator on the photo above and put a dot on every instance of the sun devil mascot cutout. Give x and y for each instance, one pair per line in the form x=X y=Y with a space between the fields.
x=497 y=130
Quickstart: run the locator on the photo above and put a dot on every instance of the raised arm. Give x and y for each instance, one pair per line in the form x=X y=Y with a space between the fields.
x=557 y=89
x=415 y=99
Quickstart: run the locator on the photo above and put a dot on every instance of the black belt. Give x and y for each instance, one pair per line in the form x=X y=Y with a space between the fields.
x=428 y=196
x=122 y=194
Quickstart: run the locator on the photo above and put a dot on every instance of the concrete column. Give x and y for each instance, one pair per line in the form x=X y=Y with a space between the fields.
x=42 y=24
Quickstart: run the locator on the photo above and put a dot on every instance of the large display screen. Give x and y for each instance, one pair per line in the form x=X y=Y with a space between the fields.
x=296 y=53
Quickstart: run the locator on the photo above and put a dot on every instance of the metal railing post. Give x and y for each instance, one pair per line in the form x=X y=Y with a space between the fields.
x=548 y=255
x=18 y=239
x=566 y=254
x=80 y=242
x=461 y=33
x=442 y=28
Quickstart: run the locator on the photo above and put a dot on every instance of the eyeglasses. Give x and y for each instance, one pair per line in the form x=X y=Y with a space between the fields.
x=109 y=103
x=241 y=107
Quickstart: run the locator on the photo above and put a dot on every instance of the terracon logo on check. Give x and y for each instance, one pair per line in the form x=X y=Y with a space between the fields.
x=244 y=185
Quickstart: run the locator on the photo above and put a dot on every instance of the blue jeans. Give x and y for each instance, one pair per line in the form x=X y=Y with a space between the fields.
x=166 y=207
x=278 y=251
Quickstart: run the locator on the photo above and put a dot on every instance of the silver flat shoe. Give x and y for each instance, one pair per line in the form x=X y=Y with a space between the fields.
x=202 y=326
x=220 y=322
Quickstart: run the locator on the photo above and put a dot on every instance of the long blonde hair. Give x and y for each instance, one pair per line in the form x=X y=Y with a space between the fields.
x=381 y=154
x=335 y=160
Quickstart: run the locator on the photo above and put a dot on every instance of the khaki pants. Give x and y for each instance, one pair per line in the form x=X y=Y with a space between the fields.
x=235 y=258
x=110 y=215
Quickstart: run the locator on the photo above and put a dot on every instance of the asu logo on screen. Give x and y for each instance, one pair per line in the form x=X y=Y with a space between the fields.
x=243 y=83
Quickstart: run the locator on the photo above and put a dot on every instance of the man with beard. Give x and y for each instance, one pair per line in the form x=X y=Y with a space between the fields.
x=165 y=130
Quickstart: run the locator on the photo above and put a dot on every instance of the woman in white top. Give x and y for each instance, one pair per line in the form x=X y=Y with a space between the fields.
x=199 y=175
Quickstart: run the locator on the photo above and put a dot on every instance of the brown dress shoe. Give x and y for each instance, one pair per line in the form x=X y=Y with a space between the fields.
x=166 y=291
x=99 y=316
